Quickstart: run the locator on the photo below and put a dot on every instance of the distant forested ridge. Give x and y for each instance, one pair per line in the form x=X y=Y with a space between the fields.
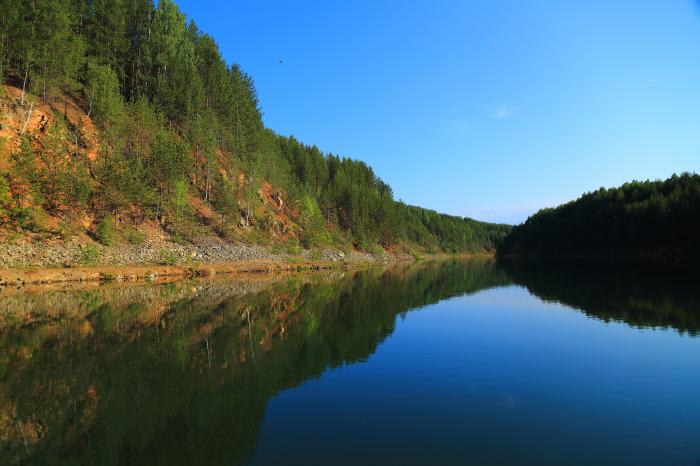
x=178 y=125
x=641 y=218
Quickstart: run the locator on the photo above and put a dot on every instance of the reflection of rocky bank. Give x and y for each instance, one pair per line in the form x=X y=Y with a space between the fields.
x=39 y=304
x=181 y=373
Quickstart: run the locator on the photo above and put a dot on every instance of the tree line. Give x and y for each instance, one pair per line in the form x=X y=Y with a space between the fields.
x=176 y=120
x=659 y=218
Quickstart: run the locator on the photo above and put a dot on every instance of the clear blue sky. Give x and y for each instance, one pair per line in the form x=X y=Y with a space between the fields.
x=486 y=108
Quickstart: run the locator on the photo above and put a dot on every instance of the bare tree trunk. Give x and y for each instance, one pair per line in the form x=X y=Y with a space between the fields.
x=24 y=84
x=24 y=438
x=29 y=115
x=92 y=94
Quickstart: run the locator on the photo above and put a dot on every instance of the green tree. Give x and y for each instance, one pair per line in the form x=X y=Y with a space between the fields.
x=103 y=96
x=58 y=50
x=314 y=233
x=24 y=167
x=227 y=199
x=171 y=111
x=105 y=230
x=105 y=27
x=201 y=135
x=138 y=63
x=7 y=204
x=174 y=61
x=179 y=201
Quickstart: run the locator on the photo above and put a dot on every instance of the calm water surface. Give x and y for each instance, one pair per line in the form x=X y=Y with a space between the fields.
x=463 y=362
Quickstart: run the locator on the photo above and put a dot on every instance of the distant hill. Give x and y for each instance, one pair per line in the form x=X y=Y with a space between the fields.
x=652 y=219
x=122 y=119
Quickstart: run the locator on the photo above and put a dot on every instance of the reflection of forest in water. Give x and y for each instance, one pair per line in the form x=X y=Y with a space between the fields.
x=640 y=296
x=181 y=373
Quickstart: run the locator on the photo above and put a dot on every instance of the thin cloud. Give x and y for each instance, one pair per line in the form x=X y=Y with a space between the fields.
x=501 y=111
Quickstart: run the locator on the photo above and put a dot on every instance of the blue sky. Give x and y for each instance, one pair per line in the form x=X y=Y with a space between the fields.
x=486 y=108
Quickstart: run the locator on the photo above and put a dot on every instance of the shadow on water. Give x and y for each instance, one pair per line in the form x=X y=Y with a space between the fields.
x=181 y=373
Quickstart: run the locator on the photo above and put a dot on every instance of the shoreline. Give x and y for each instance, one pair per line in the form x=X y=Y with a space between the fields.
x=19 y=277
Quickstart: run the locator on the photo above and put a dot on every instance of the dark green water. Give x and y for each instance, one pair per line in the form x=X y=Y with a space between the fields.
x=462 y=362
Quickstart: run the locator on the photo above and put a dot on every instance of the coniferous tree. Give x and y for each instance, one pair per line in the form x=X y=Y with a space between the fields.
x=170 y=110
x=57 y=50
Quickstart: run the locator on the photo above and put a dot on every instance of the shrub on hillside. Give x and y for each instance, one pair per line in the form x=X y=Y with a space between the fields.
x=135 y=236
x=104 y=233
x=90 y=254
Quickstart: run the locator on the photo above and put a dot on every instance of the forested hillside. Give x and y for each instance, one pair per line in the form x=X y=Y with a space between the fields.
x=120 y=112
x=659 y=218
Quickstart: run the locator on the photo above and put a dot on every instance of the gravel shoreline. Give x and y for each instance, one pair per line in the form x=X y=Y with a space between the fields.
x=76 y=253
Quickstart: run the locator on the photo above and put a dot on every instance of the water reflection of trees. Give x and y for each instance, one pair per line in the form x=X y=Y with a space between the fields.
x=181 y=373
x=639 y=296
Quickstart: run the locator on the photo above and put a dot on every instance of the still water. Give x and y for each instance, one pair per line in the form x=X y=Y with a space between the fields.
x=459 y=362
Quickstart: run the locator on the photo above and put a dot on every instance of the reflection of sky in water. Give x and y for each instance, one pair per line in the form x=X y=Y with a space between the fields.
x=499 y=378
x=212 y=372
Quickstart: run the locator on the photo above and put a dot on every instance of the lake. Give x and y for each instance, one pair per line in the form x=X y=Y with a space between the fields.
x=450 y=363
